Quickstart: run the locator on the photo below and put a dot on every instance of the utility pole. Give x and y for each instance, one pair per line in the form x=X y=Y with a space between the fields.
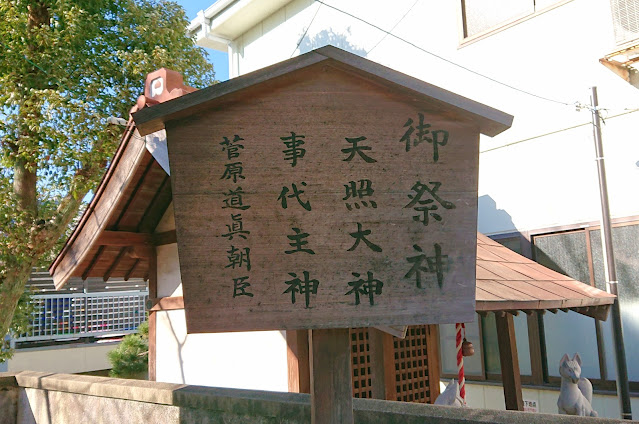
x=623 y=391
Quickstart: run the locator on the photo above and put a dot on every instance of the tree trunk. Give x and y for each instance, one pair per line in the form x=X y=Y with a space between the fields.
x=18 y=268
x=11 y=289
x=24 y=186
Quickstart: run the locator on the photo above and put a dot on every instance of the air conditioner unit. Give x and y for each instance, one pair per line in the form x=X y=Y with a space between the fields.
x=625 y=17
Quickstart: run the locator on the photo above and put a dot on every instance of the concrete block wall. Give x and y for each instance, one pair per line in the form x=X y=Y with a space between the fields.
x=37 y=398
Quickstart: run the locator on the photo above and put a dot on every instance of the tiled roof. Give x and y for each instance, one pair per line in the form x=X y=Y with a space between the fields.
x=508 y=281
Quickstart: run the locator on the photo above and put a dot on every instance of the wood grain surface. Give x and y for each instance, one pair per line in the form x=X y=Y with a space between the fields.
x=326 y=106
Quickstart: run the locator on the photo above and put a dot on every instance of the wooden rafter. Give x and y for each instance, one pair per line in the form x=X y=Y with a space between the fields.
x=130 y=271
x=152 y=204
x=135 y=191
x=115 y=264
x=88 y=269
x=124 y=239
x=166 y=303
x=166 y=237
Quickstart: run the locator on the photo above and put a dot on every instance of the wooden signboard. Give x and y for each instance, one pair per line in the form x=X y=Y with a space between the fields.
x=322 y=199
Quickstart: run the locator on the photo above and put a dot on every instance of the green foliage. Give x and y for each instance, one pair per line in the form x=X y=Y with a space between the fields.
x=131 y=358
x=65 y=67
x=20 y=325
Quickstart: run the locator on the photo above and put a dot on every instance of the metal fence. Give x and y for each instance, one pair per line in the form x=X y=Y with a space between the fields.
x=75 y=315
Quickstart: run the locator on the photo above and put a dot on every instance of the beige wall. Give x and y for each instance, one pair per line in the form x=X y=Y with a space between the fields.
x=63 y=358
x=169 y=282
x=245 y=360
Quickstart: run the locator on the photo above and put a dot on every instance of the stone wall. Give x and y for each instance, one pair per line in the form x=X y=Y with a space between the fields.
x=43 y=398
x=8 y=400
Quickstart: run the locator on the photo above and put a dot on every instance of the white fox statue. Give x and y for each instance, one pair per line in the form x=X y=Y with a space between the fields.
x=450 y=396
x=575 y=395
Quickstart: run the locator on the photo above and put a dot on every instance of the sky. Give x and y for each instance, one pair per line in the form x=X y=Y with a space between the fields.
x=218 y=59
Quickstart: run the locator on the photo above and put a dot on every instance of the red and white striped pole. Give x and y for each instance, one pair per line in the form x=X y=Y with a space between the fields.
x=460 y=361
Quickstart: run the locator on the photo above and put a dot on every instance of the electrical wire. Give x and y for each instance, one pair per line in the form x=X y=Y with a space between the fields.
x=394 y=26
x=578 y=105
x=448 y=60
x=386 y=33
x=306 y=30
x=555 y=132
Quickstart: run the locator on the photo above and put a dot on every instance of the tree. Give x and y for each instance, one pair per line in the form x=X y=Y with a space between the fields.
x=65 y=66
x=131 y=358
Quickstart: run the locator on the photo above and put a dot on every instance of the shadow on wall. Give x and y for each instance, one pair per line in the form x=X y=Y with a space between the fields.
x=180 y=346
x=329 y=37
x=491 y=220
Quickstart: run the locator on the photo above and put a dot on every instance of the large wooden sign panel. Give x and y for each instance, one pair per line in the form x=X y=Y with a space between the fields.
x=326 y=201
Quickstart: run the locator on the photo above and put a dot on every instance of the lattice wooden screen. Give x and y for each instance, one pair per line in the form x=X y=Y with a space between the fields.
x=411 y=366
x=361 y=363
x=410 y=361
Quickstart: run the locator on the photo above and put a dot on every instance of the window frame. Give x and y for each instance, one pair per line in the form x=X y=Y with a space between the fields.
x=603 y=383
x=627 y=42
x=536 y=332
x=478 y=350
x=465 y=40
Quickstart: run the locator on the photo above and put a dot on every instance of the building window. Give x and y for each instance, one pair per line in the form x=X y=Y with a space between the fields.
x=479 y=16
x=567 y=253
x=626 y=247
x=491 y=346
x=473 y=366
x=513 y=242
x=579 y=255
x=625 y=20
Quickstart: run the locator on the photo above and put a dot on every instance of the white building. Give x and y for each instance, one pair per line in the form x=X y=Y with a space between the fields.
x=538 y=189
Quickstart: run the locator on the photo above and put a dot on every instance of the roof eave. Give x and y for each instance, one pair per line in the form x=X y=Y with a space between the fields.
x=225 y=20
x=598 y=311
x=151 y=119
x=490 y=121
x=88 y=230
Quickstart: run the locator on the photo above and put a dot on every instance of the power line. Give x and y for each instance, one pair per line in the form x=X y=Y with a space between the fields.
x=306 y=30
x=554 y=132
x=448 y=60
x=394 y=26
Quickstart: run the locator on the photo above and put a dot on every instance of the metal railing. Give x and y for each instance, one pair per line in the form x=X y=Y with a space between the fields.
x=76 y=315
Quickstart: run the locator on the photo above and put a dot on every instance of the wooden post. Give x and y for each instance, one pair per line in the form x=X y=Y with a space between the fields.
x=432 y=349
x=382 y=363
x=535 y=349
x=331 y=380
x=299 y=379
x=153 y=293
x=509 y=362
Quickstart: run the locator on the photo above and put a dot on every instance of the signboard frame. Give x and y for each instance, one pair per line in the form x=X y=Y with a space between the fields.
x=420 y=159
